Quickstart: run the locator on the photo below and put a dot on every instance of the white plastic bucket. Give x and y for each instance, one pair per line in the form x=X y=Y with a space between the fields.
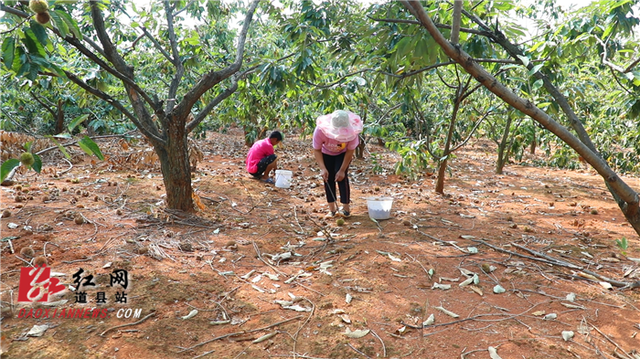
x=379 y=207
x=283 y=178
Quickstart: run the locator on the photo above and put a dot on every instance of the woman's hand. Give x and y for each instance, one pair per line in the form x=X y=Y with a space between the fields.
x=325 y=174
x=340 y=175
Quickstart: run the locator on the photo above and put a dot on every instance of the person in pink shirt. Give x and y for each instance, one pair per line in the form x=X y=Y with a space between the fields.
x=261 y=159
x=335 y=138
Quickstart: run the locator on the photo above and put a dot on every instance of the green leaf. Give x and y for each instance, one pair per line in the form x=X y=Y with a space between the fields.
x=32 y=43
x=543 y=105
x=61 y=25
x=7 y=166
x=510 y=66
x=25 y=67
x=403 y=47
x=18 y=59
x=535 y=69
x=608 y=30
x=71 y=24
x=40 y=32
x=58 y=70
x=536 y=85
x=60 y=147
x=90 y=147
x=76 y=121
x=534 y=47
x=524 y=59
x=37 y=163
x=27 y=146
x=8 y=51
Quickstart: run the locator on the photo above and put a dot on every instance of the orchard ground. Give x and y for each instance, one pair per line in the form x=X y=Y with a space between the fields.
x=269 y=277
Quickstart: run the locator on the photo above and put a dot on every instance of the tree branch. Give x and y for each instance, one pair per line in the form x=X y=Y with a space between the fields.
x=632 y=65
x=604 y=56
x=46 y=106
x=94 y=45
x=156 y=43
x=184 y=8
x=133 y=91
x=473 y=130
x=214 y=77
x=115 y=103
x=455 y=21
x=415 y=72
x=177 y=62
x=111 y=53
x=249 y=70
x=213 y=103
x=146 y=33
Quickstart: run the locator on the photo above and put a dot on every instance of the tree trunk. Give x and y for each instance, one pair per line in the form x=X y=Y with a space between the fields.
x=60 y=118
x=360 y=148
x=503 y=153
x=176 y=171
x=442 y=169
x=534 y=143
x=626 y=197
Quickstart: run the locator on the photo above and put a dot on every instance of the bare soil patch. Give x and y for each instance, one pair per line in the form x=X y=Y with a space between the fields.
x=270 y=278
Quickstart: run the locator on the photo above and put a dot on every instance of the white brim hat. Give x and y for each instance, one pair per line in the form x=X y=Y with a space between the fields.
x=343 y=126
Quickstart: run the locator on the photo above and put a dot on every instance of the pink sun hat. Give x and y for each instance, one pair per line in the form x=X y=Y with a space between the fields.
x=343 y=126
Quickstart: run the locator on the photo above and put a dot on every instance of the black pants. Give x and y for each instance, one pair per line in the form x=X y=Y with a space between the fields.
x=333 y=164
x=262 y=165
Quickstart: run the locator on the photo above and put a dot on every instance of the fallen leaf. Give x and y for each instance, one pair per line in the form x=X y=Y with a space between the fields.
x=356 y=333
x=477 y=290
x=429 y=321
x=572 y=306
x=190 y=315
x=588 y=276
x=493 y=353
x=606 y=285
x=348 y=298
x=441 y=286
x=567 y=334
x=285 y=304
x=447 y=312
x=265 y=337
x=37 y=330
x=498 y=289
x=466 y=272
x=466 y=282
